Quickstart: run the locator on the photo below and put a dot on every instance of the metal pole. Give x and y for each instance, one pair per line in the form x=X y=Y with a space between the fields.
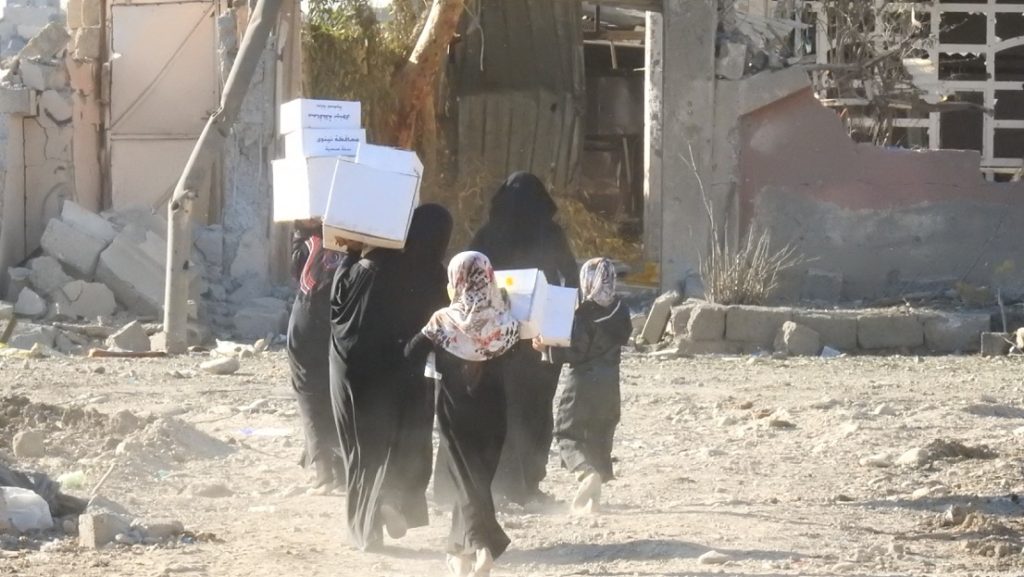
x=179 y=238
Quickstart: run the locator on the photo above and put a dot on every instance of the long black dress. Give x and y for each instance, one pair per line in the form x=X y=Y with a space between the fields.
x=309 y=338
x=521 y=234
x=590 y=405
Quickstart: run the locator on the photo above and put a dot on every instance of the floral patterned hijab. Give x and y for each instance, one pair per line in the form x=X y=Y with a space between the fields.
x=597 y=281
x=478 y=325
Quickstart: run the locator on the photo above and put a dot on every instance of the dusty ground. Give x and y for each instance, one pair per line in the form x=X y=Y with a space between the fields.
x=772 y=463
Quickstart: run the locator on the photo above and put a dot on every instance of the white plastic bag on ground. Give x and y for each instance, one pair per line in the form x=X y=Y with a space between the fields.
x=24 y=509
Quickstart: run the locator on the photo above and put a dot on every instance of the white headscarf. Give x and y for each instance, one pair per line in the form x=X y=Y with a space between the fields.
x=478 y=325
x=597 y=281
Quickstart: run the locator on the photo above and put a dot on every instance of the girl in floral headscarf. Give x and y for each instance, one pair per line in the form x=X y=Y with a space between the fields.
x=468 y=339
x=589 y=408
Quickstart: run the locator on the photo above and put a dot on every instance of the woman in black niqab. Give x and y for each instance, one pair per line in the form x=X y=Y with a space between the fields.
x=521 y=233
x=381 y=402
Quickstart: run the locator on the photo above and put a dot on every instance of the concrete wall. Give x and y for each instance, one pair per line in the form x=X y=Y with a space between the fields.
x=891 y=221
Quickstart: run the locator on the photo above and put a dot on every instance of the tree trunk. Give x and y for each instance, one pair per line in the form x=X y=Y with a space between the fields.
x=415 y=83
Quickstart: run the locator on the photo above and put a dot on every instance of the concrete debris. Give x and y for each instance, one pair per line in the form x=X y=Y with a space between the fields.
x=797 y=340
x=658 y=318
x=221 y=366
x=713 y=558
x=264 y=316
x=707 y=323
x=98 y=529
x=28 y=336
x=29 y=445
x=84 y=300
x=131 y=338
x=30 y=304
x=88 y=44
x=124 y=423
x=137 y=281
x=77 y=250
x=17 y=279
x=41 y=76
x=46 y=274
x=159 y=529
x=732 y=60
x=6 y=311
x=55 y=109
x=84 y=220
x=47 y=42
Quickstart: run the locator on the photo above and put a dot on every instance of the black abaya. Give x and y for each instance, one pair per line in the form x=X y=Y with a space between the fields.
x=519 y=234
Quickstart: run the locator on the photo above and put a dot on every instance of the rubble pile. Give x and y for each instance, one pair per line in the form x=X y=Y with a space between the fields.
x=107 y=271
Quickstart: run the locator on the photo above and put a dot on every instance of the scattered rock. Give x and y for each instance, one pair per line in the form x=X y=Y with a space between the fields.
x=124 y=423
x=211 y=491
x=131 y=338
x=797 y=340
x=84 y=300
x=881 y=461
x=913 y=458
x=47 y=275
x=158 y=528
x=29 y=445
x=714 y=558
x=221 y=366
x=885 y=410
x=127 y=539
x=30 y=304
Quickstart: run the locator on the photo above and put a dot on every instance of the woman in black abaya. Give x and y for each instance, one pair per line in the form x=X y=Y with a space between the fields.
x=468 y=339
x=377 y=396
x=520 y=234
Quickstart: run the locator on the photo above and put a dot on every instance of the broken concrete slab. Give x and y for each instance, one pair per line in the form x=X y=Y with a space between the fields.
x=657 y=319
x=27 y=336
x=836 y=329
x=17 y=279
x=88 y=222
x=132 y=338
x=757 y=325
x=47 y=275
x=75 y=249
x=797 y=340
x=30 y=304
x=261 y=317
x=955 y=332
x=47 y=43
x=137 y=281
x=679 y=321
x=995 y=344
x=84 y=300
x=889 y=331
x=707 y=323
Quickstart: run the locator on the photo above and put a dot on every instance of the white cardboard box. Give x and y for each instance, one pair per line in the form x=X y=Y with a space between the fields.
x=307 y=113
x=372 y=198
x=559 y=313
x=527 y=293
x=302 y=187
x=309 y=142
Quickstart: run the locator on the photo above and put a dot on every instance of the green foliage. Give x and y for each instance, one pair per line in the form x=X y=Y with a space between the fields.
x=348 y=54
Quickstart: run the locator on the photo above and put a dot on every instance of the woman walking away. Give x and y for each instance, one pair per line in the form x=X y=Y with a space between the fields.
x=468 y=339
x=370 y=382
x=309 y=342
x=589 y=408
x=520 y=234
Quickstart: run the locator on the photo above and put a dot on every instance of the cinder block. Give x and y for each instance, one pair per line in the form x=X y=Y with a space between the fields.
x=76 y=250
x=97 y=529
x=837 y=329
x=657 y=320
x=92 y=13
x=995 y=344
x=955 y=332
x=797 y=340
x=757 y=325
x=84 y=300
x=88 y=222
x=137 y=281
x=680 y=319
x=20 y=101
x=893 y=330
x=707 y=323
x=88 y=44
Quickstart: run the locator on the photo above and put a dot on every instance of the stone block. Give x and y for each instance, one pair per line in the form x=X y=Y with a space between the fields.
x=18 y=100
x=885 y=330
x=26 y=336
x=836 y=329
x=84 y=300
x=757 y=325
x=46 y=274
x=30 y=304
x=17 y=279
x=995 y=344
x=679 y=320
x=821 y=286
x=40 y=76
x=88 y=44
x=98 y=529
x=657 y=319
x=88 y=222
x=732 y=60
x=92 y=13
x=132 y=337
x=707 y=323
x=797 y=340
x=691 y=348
x=261 y=317
x=76 y=250
x=955 y=332
x=73 y=9
x=136 y=281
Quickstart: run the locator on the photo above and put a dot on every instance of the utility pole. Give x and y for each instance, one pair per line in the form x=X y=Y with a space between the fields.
x=208 y=147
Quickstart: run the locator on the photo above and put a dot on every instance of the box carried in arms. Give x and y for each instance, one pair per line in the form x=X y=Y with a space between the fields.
x=302 y=187
x=527 y=293
x=558 y=315
x=311 y=142
x=373 y=197
x=305 y=113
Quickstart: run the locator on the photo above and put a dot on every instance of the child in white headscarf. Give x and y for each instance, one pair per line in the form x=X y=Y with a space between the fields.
x=589 y=408
x=468 y=339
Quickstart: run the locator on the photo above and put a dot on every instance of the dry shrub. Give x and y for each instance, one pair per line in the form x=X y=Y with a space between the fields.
x=749 y=275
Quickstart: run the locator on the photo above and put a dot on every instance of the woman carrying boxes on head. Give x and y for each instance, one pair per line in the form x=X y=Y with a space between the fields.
x=309 y=337
x=521 y=234
x=381 y=401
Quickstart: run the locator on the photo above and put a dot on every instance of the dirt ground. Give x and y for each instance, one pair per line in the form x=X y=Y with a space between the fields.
x=784 y=467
